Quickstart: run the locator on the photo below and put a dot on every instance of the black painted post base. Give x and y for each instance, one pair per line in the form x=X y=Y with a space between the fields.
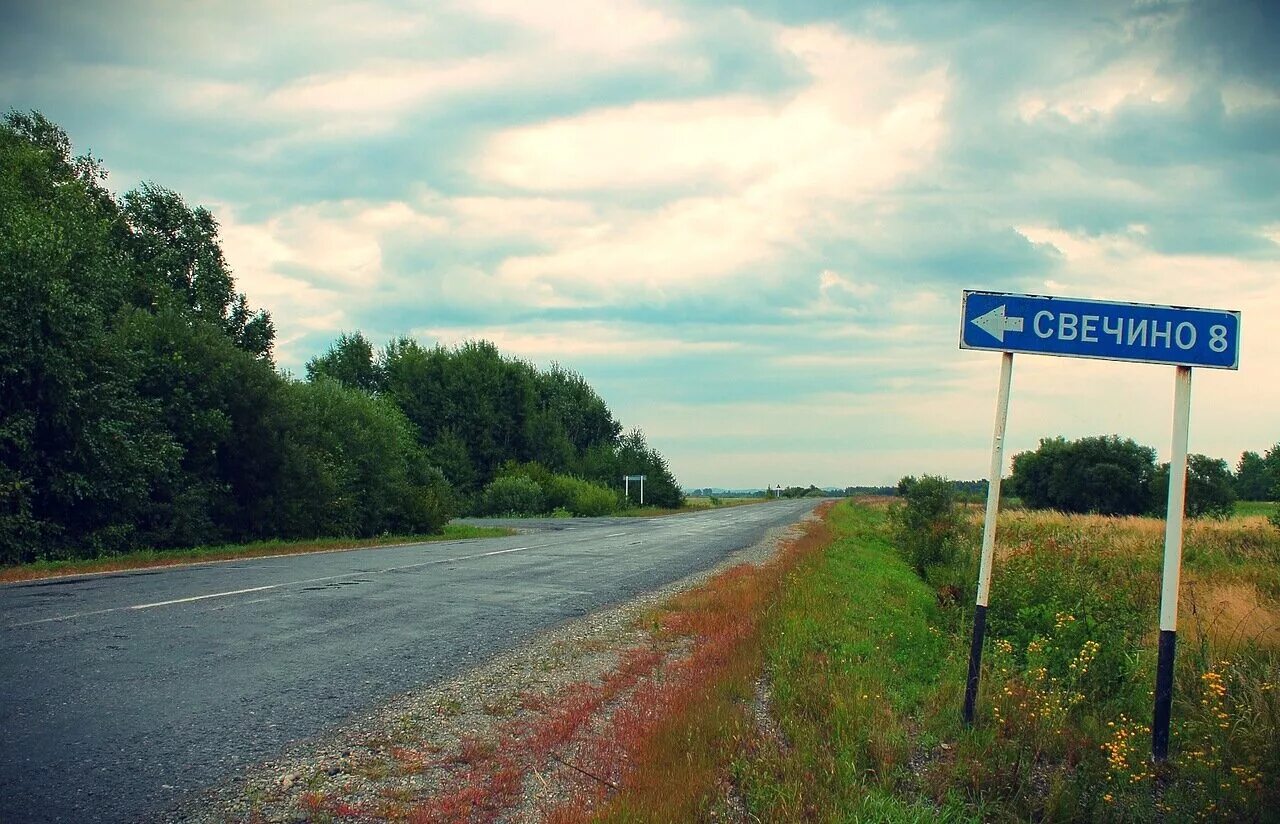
x=1164 y=696
x=975 y=663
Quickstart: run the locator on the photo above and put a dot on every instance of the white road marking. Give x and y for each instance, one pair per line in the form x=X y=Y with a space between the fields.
x=134 y=607
x=616 y=535
x=203 y=597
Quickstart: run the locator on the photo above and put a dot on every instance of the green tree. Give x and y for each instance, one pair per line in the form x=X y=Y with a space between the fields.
x=177 y=249
x=1108 y=475
x=78 y=451
x=660 y=486
x=349 y=361
x=513 y=495
x=585 y=417
x=1253 y=480
x=1272 y=461
x=223 y=407
x=1210 y=489
x=355 y=467
x=572 y=494
x=140 y=404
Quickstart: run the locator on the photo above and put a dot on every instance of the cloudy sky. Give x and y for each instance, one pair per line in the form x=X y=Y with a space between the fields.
x=747 y=225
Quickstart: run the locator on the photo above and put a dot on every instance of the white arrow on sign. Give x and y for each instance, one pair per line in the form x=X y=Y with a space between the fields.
x=995 y=324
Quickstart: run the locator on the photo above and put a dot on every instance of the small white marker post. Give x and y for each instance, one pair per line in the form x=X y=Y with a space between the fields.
x=1172 y=564
x=988 y=537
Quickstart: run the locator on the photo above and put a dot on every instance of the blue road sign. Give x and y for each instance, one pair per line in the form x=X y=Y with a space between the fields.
x=1041 y=325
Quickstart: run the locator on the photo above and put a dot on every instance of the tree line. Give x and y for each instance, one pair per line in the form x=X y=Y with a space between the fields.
x=140 y=405
x=1111 y=475
x=485 y=419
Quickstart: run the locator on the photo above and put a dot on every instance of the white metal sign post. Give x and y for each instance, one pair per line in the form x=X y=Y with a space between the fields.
x=626 y=481
x=988 y=537
x=1036 y=324
x=1172 y=564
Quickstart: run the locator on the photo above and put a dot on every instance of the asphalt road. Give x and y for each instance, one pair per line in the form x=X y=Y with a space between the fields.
x=122 y=694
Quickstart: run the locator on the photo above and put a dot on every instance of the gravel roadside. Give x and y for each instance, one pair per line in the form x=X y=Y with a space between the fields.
x=383 y=762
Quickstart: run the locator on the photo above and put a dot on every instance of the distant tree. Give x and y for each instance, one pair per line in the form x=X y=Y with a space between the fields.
x=1272 y=461
x=449 y=453
x=1209 y=491
x=1253 y=479
x=1108 y=475
x=585 y=417
x=355 y=467
x=548 y=441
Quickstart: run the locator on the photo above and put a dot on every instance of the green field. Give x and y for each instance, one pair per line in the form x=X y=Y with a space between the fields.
x=1264 y=508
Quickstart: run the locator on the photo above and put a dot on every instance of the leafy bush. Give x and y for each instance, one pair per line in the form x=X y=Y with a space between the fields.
x=928 y=527
x=572 y=494
x=354 y=467
x=513 y=495
x=593 y=500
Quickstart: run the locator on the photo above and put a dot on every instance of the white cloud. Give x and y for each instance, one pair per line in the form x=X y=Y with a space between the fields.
x=605 y=28
x=297 y=304
x=1240 y=97
x=765 y=172
x=868 y=132
x=838 y=296
x=1124 y=267
x=385 y=86
x=383 y=78
x=1091 y=98
x=579 y=341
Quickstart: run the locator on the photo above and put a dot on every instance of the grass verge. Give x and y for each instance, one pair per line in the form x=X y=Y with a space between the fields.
x=146 y=558
x=664 y=753
x=864 y=673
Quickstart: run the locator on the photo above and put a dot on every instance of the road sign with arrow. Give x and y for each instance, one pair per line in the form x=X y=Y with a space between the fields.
x=1110 y=330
